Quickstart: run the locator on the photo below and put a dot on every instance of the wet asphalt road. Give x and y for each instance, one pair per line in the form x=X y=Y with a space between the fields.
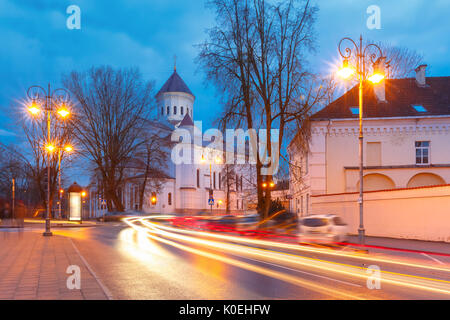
x=134 y=266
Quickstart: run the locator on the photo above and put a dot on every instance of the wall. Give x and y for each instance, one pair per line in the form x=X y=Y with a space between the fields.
x=415 y=213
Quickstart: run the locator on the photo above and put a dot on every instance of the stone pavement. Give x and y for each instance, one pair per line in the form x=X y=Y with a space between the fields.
x=34 y=267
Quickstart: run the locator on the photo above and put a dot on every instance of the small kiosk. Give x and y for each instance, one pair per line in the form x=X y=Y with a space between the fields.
x=75 y=202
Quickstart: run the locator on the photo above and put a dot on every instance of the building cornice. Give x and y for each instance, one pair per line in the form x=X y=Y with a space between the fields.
x=377 y=130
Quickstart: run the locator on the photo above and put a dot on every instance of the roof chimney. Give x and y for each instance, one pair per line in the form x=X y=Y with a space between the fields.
x=420 y=75
x=380 y=88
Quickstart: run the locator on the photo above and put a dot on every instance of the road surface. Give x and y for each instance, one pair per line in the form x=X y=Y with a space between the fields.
x=148 y=258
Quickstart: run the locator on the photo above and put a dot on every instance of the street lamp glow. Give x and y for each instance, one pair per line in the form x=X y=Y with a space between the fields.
x=218 y=160
x=376 y=78
x=346 y=71
x=264 y=185
x=50 y=148
x=272 y=184
x=68 y=149
x=34 y=109
x=83 y=194
x=63 y=112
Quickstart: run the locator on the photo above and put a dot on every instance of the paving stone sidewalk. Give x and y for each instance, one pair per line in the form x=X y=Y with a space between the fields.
x=34 y=267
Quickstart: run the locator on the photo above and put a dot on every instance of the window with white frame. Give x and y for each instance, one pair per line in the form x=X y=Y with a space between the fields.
x=422 y=152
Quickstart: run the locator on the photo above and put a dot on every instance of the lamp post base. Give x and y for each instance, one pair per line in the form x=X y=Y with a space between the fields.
x=361 y=233
x=47 y=234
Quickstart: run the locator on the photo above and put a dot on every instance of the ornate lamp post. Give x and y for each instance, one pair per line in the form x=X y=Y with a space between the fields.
x=49 y=100
x=347 y=71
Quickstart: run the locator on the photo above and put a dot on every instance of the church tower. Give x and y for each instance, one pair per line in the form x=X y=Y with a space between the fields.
x=175 y=100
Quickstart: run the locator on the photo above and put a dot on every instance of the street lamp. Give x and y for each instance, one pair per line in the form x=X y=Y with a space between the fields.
x=48 y=99
x=362 y=53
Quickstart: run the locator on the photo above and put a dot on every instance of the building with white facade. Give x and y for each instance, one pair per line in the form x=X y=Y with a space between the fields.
x=186 y=187
x=406 y=159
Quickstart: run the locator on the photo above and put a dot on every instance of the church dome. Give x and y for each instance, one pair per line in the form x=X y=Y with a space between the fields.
x=175 y=84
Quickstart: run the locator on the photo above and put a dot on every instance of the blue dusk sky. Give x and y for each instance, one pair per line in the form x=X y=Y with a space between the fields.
x=37 y=47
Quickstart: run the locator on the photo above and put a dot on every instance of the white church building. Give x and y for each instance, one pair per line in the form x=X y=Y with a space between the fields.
x=185 y=188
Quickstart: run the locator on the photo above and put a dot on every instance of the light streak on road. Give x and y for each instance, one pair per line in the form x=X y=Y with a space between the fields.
x=329 y=267
x=282 y=245
x=247 y=266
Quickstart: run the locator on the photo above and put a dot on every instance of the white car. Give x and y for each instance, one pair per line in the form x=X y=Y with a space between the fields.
x=322 y=228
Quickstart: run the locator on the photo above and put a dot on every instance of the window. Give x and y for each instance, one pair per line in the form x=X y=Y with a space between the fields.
x=220 y=180
x=214 y=180
x=355 y=110
x=198 y=178
x=168 y=110
x=181 y=110
x=419 y=108
x=162 y=111
x=241 y=183
x=187 y=110
x=422 y=152
x=169 y=199
x=174 y=109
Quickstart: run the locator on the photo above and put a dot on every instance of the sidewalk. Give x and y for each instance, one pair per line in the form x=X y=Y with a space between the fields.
x=408 y=244
x=34 y=267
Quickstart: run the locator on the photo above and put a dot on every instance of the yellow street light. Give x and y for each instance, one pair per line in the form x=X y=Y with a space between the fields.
x=376 y=78
x=68 y=149
x=34 y=109
x=63 y=112
x=264 y=185
x=50 y=148
x=218 y=160
x=83 y=194
x=272 y=184
x=346 y=71
x=203 y=159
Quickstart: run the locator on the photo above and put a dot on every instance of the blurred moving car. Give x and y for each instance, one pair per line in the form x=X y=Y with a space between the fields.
x=322 y=228
x=114 y=216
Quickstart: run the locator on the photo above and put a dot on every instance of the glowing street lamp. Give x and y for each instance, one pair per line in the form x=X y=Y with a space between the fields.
x=63 y=112
x=378 y=75
x=346 y=71
x=68 y=148
x=34 y=109
x=48 y=99
x=50 y=148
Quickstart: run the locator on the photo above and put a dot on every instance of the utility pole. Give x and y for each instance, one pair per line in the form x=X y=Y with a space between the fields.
x=13 y=198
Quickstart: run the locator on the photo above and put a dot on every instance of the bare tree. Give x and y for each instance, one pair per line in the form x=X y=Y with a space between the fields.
x=113 y=106
x=256 y=57
x=401 y=61
x=151 y=159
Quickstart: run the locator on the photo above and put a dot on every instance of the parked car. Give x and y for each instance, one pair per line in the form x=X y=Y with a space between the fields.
x=322 y=228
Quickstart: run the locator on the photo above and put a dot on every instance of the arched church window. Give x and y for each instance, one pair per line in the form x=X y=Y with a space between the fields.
x=168 y=109
x=181 y=110
x=169 y=199
x=174 y=109
x=187 y=110
x=162 y=111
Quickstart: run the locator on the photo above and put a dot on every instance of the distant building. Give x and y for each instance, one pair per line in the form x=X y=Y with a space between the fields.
x=185 y=187
x=406 y=148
